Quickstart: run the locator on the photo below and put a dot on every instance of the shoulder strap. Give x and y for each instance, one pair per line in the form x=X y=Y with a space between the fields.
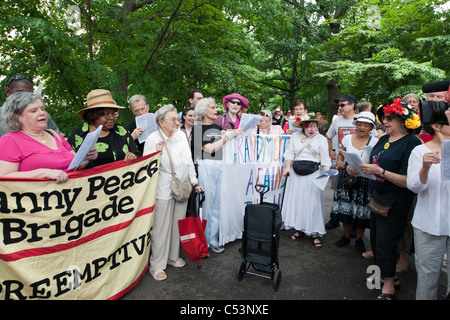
x=54 y=134
x=301 y=150
x=172 y=167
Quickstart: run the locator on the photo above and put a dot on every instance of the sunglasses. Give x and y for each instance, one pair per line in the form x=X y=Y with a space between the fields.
x=343 y=104
x=236 y=102
x=19 y=77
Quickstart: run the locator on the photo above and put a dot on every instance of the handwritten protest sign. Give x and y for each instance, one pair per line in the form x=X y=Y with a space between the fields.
x=248 y=161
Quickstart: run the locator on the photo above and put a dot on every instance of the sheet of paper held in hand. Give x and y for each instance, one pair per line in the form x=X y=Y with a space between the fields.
x=354 y=160
x=88 y=143
x=248 y=123
x=445 y=160
x=147 y=122
x=322 y=180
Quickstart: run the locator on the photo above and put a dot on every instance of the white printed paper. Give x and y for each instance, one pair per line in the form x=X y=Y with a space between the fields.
x=88 y=143
x=147 y=122
x=354 y=160
x=322 y=180
x=248 y=123
x=445 y=160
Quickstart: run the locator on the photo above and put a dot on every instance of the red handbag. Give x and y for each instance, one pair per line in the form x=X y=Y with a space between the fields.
x=192 y=235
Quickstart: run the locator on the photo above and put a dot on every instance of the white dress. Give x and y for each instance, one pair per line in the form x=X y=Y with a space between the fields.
x=303 y=206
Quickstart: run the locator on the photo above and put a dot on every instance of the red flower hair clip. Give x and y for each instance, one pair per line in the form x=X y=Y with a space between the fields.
x=395 y=107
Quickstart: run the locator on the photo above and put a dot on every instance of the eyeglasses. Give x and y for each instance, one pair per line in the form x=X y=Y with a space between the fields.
x=341 y=105
x=236 y=102
x=19 y=77
x=174 y=119
x=109 y=114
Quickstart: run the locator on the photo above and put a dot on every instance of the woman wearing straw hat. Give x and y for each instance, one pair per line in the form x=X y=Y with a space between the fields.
x=304 y=211
x=115 y=142
x=352 y=193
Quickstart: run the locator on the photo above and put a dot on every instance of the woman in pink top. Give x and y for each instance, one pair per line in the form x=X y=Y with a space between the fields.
x=28 y=150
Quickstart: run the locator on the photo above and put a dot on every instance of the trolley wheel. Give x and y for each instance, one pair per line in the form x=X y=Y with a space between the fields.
x=240 y=272
x=276 y=279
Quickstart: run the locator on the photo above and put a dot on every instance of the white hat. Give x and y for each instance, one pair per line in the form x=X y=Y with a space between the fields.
x=364 y=116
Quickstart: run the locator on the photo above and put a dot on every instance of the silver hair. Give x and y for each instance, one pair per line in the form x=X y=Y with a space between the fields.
x=14 y=106
x=137 y=98
x=161 y=113
x=201 y=107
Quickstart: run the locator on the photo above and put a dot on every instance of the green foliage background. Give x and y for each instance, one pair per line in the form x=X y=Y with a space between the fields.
x=272 y=51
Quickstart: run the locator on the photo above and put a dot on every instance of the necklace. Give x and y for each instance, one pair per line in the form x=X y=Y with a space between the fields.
x=40 y=139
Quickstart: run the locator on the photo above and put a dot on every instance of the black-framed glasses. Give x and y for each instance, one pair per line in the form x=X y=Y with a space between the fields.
x=236 y=102
x=19 y=77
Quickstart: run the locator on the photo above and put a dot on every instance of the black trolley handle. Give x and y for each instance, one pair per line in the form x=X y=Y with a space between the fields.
x=262 y=189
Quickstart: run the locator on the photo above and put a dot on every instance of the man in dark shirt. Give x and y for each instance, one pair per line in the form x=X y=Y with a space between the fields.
x=139 y=106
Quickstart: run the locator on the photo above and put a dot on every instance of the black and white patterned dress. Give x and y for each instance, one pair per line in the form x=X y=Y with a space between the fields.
x=350 y=201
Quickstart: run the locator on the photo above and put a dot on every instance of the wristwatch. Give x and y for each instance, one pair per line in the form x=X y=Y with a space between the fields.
x=382 y=175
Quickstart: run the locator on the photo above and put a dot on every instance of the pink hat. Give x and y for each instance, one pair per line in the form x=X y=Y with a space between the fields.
x=229 y=97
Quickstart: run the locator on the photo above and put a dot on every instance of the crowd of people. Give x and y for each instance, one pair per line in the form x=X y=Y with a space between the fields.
x=396 y=191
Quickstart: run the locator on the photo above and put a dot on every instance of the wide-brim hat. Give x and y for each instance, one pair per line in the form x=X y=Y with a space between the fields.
x=226 y=99
x=364 y=116
x=400 y=109
x=99 y=98
x=300 y=122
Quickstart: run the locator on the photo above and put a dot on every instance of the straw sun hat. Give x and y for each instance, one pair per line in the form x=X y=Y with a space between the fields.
x=99 y=98
x=310 y=117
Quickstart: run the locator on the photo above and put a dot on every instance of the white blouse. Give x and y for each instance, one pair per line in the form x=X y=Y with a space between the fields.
x=181 y=157
x=432 y=214
x=347 y=143
x=317 y=150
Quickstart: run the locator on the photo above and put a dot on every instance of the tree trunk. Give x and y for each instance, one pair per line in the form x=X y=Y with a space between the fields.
x=334 y=92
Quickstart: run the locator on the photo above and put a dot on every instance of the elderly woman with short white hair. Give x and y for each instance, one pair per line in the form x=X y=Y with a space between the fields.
x=208 y=140
x=265 y=125
x=165 y=247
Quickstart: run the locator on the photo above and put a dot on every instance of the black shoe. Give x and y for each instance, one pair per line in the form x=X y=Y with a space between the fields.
x=359 y=246
x=342 y=242
x=333 y=223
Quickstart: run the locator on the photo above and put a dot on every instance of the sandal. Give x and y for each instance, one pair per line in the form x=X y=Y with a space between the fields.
x=297 y=235
x=386 y=296
x=401 y=270
x=368 y=254
x=177 y=264
x=158 y=274
x=316 y=242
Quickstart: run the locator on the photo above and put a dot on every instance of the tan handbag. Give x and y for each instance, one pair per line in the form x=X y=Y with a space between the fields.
x=379 y=205
x=179 y=190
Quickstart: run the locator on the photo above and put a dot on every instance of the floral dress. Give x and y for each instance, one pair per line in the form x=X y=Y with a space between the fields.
x=111 y=148
x=350 y=201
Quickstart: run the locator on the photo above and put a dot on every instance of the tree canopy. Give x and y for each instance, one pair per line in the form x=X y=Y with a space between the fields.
x=271 y=52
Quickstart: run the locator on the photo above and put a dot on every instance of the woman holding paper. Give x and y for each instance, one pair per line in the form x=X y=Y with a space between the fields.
x=208 y=142
x=352 y=193
x=391 y=200
x=304 y=211
x=431 y=220
x=29 y=150
x=115 y=142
